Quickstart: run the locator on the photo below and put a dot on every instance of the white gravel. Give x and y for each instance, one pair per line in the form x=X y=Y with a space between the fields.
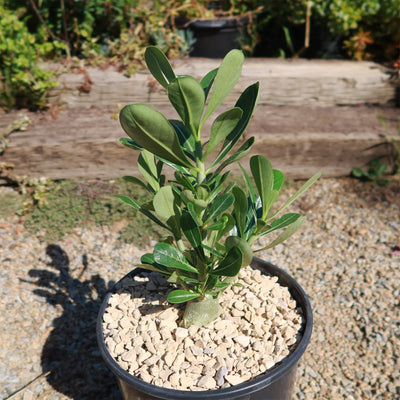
x=345 y=258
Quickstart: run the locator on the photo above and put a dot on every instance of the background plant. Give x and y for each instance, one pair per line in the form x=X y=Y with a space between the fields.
x=210 y=226
x=22 y=82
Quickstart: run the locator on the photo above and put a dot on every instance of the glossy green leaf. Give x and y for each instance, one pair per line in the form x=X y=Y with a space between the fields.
x=231 y=264
x=310 y=182
x=279 y=178
x=228 y=227
x=148 y=168
x=280 y=223
x=130 y=143
x=186 y=139
x=249 y=185
x=135 y=180
x=129 y=201
x=151 y=130
x=159 y=65
x=240 y=153
x=181 y=296
x=193 y=213
x=247 y=102
x=137 y=206
x=285 y=234
x=218 y=225
x=191 y=229
x=187 y=96
x=247 y=252
x=150 y=267
x=240 y=207
x=169 y=256
x=164 y=203
x=226 y=78
x=222 y=127
x=261 y=170
x=220 y=204
x=207 y=81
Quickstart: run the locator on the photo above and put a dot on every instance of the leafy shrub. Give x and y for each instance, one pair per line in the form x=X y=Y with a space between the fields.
x=22 y=82
x=119 y=29
x=338 y=28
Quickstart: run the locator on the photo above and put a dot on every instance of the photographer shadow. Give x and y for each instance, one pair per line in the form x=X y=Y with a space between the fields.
x=70 y=354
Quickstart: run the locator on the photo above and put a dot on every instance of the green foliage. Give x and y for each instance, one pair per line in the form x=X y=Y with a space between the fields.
x=95 y=29
x=22 y=82
x=374 y=173
x=211 y=226
x=354 y=28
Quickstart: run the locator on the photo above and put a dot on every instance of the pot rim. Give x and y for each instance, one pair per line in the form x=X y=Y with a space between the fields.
x=248 y=387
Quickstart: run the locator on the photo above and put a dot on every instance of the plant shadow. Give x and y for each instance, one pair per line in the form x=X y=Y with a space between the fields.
x=71 y=354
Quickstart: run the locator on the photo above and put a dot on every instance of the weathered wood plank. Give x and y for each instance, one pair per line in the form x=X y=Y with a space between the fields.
x=83 y=143
x=283 y=82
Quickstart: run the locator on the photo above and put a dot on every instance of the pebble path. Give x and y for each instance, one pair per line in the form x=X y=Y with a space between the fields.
x=347 y=258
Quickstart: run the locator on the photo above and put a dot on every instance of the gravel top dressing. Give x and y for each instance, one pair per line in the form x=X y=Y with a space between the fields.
x=346 y=258
x=253 y=334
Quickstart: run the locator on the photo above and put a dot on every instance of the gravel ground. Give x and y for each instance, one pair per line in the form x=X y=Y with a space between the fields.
x=347 y=259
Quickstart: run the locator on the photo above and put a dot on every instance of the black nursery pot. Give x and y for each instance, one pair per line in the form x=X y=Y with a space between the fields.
x=275 y=384
x=215 y=38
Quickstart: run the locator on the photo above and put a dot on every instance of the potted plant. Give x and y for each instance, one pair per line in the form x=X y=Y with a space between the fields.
x=155 y=346
x=213 y=28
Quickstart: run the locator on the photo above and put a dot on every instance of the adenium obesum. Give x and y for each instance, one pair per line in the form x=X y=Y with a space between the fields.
x=212 y=225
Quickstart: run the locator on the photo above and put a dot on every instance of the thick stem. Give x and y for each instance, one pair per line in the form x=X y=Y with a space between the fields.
x=201 y=312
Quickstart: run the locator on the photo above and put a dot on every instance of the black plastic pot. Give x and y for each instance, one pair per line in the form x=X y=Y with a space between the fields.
x=215 y=38
x=275 y=384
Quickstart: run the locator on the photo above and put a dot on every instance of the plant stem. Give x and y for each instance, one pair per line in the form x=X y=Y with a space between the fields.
x=200 y=312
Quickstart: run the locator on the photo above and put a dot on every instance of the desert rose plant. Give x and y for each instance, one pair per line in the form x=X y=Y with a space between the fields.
x=212 y=225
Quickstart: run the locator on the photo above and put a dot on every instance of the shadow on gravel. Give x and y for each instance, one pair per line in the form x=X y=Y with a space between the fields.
x=70 y=353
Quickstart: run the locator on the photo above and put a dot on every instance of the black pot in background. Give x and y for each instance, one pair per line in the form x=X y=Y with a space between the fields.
x=215 y=38
x=275 y=384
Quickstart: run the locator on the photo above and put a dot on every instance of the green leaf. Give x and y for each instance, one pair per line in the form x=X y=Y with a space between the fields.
x=181 y=296
x=129 y=201
x=247 y=102
x=243 y=245
x=186 y=139
x=191 y=230
x=135 y=180
x=169 y=256
x=207 y=81
x=279 y=178
x=228 y=227
x=137 y=206
x=285 y=234
x=187 y=96
x=222 y=127
x=218 y=225
x=297 y=194
x=151 y=130
x=240 y=207
x=148 y=168
x=264 y=179
x=240 y=153
x=226 y=78
x=231 y=264
x=159 y=66
x=282 y=222
x=250 y=189
x=221 y=203
x=164 y=203
x=358 y=172
x=130 y=143
x=153 y=268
